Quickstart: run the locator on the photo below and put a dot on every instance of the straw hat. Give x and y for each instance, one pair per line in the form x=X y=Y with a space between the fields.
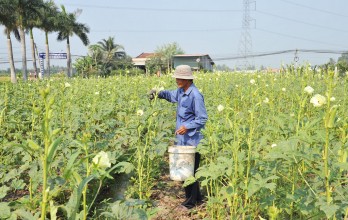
x=183 y=72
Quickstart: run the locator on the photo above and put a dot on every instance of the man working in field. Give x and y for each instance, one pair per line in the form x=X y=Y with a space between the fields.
x=191 y=117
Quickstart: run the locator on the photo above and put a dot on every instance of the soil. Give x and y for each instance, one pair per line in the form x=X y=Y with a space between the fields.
x=168 y=196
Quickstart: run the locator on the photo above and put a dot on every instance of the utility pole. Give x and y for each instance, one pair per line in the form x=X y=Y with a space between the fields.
x=245 y=43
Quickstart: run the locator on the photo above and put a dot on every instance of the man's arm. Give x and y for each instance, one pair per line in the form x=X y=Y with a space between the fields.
x=170 y=96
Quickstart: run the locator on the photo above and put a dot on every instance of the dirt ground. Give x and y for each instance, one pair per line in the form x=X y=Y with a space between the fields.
x=168 y=197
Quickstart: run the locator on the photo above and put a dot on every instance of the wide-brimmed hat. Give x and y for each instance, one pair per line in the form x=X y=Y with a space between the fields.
x=183 y=72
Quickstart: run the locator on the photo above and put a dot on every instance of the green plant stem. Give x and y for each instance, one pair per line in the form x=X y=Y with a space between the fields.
x=326 y=167
x=96 y=194
x=84 y=193
x=45 y=168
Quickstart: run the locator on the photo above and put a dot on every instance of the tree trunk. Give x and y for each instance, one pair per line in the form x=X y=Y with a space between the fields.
x=47 y=57
x=24 y=54
x=10 y=58
x=33 y=54
x=68 y=57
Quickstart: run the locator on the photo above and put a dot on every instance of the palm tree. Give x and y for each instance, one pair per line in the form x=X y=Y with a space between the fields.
x=23 y=10
x=33 y=22
x=109 y=48
x=68 y=27
x=48 y=24
x=8 y=20
x=110 y=52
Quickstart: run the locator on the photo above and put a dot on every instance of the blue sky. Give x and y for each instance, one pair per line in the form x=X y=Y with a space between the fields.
x=208 y=27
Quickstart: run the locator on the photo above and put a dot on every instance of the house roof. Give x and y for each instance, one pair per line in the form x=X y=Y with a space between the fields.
x=145 y=55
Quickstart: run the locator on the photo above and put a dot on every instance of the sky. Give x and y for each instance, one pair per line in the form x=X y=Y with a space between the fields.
x=208 y=27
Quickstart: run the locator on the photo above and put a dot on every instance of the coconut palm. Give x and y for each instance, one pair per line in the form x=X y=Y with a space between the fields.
x=8 y=19
x=111 y=52
x=68 y=27
x=33 y=22
x=109 y=48
x=49 y=24
x=23 y=10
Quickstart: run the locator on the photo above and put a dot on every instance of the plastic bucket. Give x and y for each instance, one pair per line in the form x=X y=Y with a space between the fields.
x=181 y=162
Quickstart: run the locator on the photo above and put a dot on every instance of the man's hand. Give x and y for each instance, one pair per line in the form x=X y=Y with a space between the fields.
x=182 y=130
x=152 y=94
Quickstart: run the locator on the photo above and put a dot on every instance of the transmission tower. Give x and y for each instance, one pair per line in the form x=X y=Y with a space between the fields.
x=245 y=43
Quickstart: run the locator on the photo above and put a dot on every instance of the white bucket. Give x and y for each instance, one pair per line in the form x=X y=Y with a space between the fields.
x=181 y=162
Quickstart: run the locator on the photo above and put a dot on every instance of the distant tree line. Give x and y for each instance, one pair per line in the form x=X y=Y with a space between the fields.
x=107 y=58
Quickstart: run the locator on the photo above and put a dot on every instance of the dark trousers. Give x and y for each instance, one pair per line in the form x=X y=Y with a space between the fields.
x=192 y=192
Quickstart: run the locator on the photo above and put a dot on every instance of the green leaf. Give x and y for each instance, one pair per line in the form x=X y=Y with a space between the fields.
x=189 y=181
x=52 y=150
x=77 y=194
x=3 y=191
x=5 y=211
x=25 y=215
x=33 y=146
x=53 y=211
x=123 y=167
x=328 y=209
x=69 y=166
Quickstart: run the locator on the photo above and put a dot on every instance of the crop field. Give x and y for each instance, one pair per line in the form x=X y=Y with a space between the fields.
x=275 y=146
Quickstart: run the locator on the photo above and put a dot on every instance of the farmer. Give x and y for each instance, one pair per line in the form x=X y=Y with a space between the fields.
x=191 y=117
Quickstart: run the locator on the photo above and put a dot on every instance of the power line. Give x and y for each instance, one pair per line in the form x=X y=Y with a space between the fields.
x=315 y=9
x=302 y=22
x=299 y=38
x=167 y=31
x=281 y=52
x=154 y=9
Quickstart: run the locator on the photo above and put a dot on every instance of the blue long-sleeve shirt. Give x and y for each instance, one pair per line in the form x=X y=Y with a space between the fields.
x=190 y=112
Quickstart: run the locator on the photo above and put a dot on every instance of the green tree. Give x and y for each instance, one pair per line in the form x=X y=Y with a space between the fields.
x=24 y=10
x=166 y=53
x=7 y=18
x=33 y=21
x=68 y=27
x=155 y=63
x=342 y=63
x=48 y=24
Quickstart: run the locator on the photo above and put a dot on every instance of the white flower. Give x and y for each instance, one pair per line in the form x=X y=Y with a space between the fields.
x=292 y=114
x=101 y=160
x=109 y=92
x=220 y=108
x=267 y=85
x=266 y=100
x=140 y=112
x=284 y=89
x=252 y=81
x=273 y=145
x=332 y=99
x=318 y=100
x=97 y=93
x=309 y=90
x=67 y=85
